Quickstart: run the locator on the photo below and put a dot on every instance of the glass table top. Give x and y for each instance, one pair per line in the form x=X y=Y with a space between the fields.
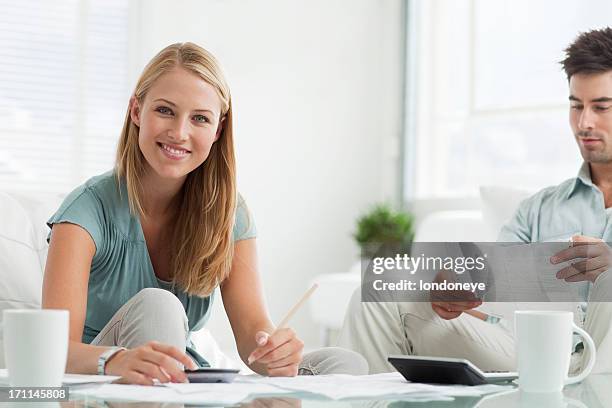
x=594 y=392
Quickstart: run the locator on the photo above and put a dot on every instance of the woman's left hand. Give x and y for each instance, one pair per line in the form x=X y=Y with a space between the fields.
x=280 y=353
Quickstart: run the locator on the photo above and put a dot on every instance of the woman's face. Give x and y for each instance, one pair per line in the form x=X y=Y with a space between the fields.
x=178 y=121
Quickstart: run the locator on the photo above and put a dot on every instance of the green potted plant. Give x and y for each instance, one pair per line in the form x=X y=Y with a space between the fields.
x=383 y=231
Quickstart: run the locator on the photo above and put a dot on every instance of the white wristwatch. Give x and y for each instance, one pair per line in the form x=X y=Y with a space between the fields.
x=104 y=357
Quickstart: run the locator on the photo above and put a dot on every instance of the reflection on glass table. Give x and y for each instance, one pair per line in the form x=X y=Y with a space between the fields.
x=594 y=392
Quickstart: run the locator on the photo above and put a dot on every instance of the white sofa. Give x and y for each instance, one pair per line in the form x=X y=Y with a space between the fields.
x=23 y=253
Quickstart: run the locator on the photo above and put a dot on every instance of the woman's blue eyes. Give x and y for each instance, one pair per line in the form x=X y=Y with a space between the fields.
x=164 y=110
x=167 y=111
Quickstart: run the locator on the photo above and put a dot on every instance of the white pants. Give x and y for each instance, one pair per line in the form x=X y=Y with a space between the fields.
x=156 y=314
x=377 y=330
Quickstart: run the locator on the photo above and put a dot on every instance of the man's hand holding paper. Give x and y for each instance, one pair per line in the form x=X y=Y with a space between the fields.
x=595 y=255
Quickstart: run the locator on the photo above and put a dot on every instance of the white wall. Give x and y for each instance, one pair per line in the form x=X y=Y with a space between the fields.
x=317 y=96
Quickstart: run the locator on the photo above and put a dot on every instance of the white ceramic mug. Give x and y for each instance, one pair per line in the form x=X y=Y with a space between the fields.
x=543 y=348
x=35 y=346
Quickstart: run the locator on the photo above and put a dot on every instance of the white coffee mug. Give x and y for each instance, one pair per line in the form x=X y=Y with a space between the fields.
x=543 y=348
x=35 y=346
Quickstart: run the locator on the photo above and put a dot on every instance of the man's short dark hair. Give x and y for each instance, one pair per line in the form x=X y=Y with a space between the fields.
x=590 y=53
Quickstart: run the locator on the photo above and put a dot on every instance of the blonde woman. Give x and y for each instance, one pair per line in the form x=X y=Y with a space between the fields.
x=136 y=253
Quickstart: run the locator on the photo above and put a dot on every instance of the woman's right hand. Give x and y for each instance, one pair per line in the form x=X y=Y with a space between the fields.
x=153 y=360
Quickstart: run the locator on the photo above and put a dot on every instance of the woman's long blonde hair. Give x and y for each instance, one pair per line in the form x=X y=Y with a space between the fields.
x=202 y=244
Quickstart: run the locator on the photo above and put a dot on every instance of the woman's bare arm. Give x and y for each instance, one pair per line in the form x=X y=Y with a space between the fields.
x=245 y=306
x=243 y=298
x=65 y=283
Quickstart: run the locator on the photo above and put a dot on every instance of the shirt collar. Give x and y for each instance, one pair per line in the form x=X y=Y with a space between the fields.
x=584 y=178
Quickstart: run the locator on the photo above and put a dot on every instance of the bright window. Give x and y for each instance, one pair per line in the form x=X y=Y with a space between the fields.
x=63 y=90
x=487 y=96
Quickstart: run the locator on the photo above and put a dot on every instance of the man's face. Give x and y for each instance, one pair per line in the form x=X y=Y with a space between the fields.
x=591 y=115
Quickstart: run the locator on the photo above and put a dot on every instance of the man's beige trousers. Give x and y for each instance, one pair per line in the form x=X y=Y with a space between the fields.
x=377 y=330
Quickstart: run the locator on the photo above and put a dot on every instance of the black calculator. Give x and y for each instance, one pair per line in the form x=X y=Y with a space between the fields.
x=442 y=370
x=211 y=375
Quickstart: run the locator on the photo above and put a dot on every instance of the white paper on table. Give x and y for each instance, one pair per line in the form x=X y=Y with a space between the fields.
x=70 y=379
x=235 y=387
x=341 y=386
x=160 y=393
x=338 y=386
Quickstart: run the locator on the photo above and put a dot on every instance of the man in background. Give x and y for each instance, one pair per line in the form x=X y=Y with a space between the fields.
x=579 y=208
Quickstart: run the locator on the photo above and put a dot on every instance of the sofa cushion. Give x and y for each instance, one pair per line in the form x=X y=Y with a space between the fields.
x=20 y=266
x=453 y=226
x=21 y=270
x=39 y=207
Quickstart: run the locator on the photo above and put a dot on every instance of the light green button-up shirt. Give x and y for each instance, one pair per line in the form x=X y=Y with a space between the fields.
x=556 y=213
x=574 y=207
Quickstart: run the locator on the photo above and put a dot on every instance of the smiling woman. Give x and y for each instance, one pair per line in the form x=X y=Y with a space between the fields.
x=166 y=119
x=135 y=254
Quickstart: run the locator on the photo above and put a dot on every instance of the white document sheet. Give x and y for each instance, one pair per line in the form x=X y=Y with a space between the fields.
x=388 y=385
x=523 y=272
x=340 y=386
x=160 y=393
x=236 y=387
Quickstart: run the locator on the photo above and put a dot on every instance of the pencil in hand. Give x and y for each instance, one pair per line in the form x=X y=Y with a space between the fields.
x=261 y=338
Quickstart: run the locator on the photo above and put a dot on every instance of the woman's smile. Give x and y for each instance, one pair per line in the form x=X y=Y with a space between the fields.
x=173 y=152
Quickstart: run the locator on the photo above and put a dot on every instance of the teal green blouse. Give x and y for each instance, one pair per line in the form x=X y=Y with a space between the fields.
x=121 y=266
